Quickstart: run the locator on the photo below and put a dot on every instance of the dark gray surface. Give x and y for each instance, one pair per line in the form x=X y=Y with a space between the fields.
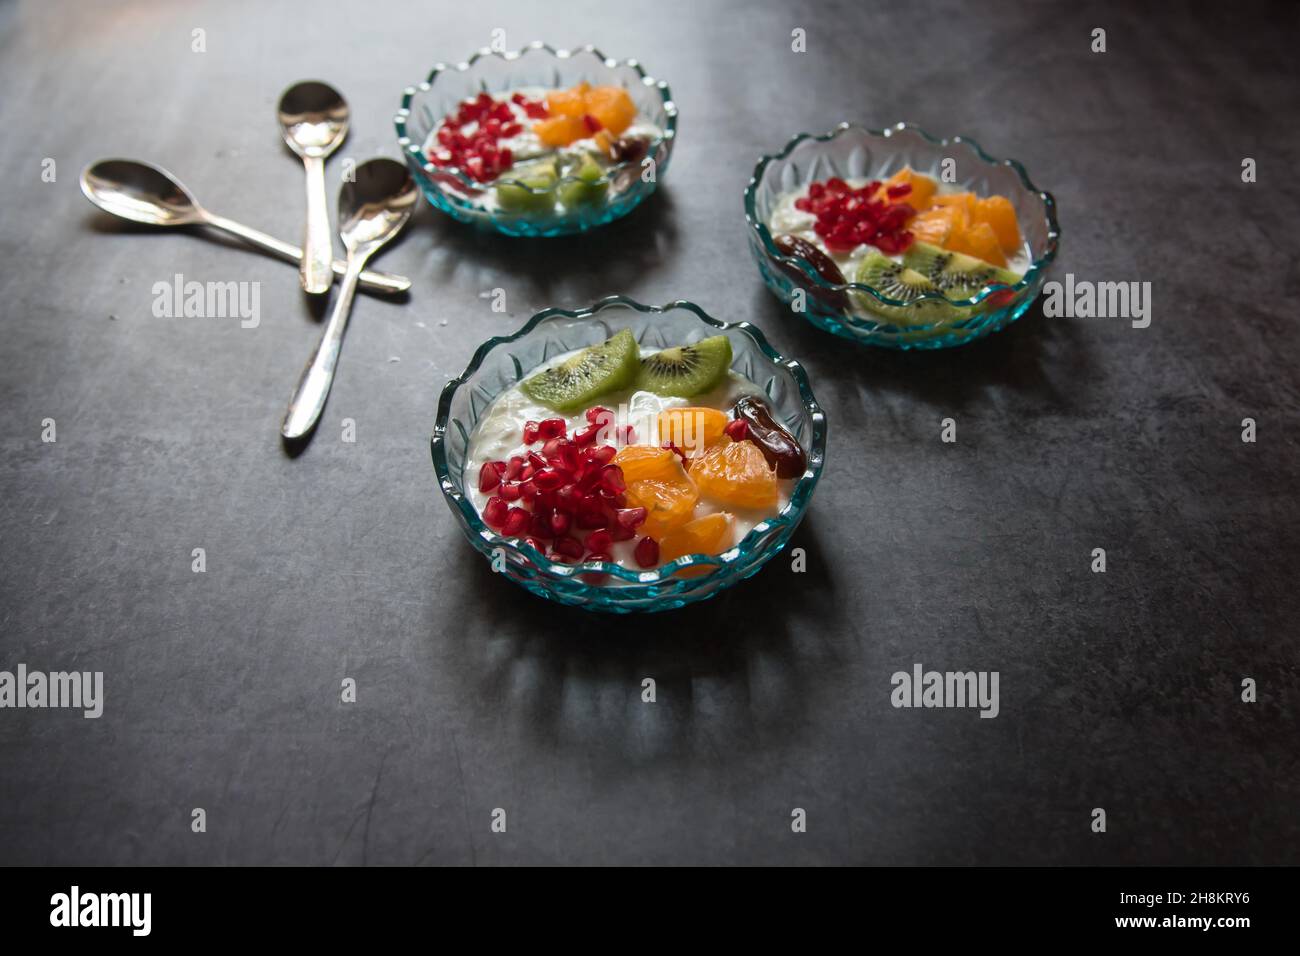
x=222 y=689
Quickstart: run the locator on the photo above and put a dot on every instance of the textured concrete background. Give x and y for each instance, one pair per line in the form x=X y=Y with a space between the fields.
x=222 y=689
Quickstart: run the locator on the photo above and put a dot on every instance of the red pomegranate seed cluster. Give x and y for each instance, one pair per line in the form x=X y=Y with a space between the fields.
x=479 y=152
x=848 y=217
x=568 y=494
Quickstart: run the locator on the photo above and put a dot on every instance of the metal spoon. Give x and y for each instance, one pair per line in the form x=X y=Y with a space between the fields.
x=372 y=210
x=148 y=194
x=314 y=120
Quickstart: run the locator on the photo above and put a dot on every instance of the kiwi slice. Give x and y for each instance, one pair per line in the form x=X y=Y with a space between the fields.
x=686 y=370
x=585 y=187
x=540 y=175
x=897 y=281
x=579 y=380
x=955 y=274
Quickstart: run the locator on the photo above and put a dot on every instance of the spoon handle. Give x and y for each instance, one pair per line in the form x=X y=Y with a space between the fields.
x=314 y=387
x=377 y=281
x=318 y=252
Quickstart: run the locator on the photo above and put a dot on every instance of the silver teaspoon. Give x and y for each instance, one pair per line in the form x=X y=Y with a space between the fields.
x=314 y=120
x=148 y=194
x=372 y=210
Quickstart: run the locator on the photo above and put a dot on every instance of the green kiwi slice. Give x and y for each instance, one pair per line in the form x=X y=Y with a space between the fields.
x=579 y=380
x=686 y=370
x=896 y=280
x=539 y=175
x=955 y=274
x=585 y=186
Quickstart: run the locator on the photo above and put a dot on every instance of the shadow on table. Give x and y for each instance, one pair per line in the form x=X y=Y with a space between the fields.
x=623 y=252
x=743 y=666
x=1029 y=358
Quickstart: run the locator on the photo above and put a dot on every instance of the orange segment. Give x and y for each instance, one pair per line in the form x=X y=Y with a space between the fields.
x=560 y=130
x=711 y=534
x=613 y=107
x=963 y=201
x=998 y=212
x=640 y=462
x=934 y=225
x=692 y=429
x=978 y=240
x=571 y=102
x=736 y=474
x=668 y=504
x=923 y=188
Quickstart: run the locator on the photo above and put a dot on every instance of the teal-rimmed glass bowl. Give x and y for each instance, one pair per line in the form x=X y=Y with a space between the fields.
x=853 y=152
x=501 y=362
x=537 y=65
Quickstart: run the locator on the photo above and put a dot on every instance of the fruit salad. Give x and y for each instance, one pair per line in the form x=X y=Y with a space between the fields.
x=542 y=151
x=907 y=237
x=615 y=454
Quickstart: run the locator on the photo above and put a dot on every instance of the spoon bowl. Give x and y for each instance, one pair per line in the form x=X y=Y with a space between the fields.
x=140 y=192
x=313 y=117
x=377 y=204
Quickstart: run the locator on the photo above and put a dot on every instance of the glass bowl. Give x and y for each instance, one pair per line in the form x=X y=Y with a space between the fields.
x=449 y=189
x=851 y=152
x=501 y=362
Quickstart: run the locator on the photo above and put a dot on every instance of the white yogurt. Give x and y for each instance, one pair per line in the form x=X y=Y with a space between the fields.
x=499 y=435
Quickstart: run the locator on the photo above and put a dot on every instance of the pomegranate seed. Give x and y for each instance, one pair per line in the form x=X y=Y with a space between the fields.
x=567 y=499
x=530 y=432
x=586 y=436
x=600 y=541
x=598 y=556
x=513 y=468
x=593 y=125
x=510 y=490
x=590 y=515
x=489 y=476
x=517 y=522
x=535 y=544
x=566 y=457
x=646 y=552
x=630 y=517
x=540 y=526
x=495 y=511
x=604 y=454
x=526 y=473
x=518 y=98
x=550 y=448
x=536 y=460
x=559 y=523
x=545 y=499
x=551 y=428
x=548 y=479
x=528 y=490
x=569 y=547
x=737 y=430
x=611 y=479
x=599 y=413
x=626 y=434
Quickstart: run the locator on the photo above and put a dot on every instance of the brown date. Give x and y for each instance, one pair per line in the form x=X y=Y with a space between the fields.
x=777 y=445
x=822 y=263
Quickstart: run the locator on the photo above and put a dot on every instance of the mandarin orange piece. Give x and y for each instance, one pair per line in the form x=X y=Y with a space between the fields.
x=560 y=130
x=711 y=534
x=668 y=504
x=693 y=428
x=998 y=212
x=612 y=106
x=736 y=474
x=978 y=240
x=640 y=462
x=923 y=188
x=571 y=102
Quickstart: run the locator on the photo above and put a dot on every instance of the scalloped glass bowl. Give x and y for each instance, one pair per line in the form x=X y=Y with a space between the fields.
x=536 y=65
x=850 y=152
x=501 y=362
